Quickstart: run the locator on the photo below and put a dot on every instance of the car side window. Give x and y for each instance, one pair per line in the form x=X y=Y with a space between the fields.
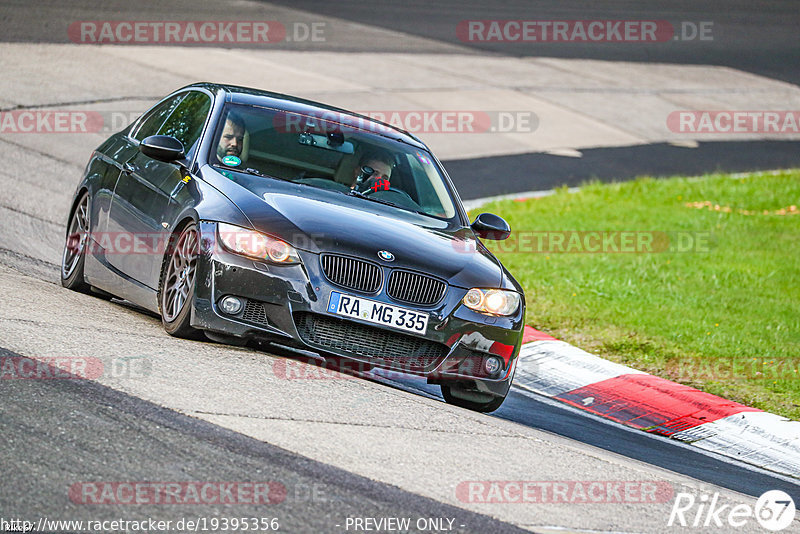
x=186 y=123
x=156 y=117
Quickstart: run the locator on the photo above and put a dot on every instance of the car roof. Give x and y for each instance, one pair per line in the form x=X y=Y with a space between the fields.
x=250 y=96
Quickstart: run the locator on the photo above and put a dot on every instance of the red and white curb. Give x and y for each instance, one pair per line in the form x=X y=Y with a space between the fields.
x=566 y=373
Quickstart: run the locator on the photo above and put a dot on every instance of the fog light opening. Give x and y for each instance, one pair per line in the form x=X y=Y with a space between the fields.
x=231 y=305
x=492 y=365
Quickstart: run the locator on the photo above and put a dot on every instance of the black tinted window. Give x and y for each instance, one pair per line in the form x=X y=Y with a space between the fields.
x=156 y=117
x=186 y=122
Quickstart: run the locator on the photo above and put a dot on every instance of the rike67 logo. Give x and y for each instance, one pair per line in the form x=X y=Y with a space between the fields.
x=774 y=511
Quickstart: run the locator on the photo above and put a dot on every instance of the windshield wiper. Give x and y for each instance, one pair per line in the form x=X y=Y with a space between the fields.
x=256 y=172
x=359 y=194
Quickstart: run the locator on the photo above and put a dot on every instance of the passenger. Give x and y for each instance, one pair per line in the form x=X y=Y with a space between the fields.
x=232 y=139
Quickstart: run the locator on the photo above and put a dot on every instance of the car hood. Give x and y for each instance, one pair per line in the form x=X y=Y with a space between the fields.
x=321 y=221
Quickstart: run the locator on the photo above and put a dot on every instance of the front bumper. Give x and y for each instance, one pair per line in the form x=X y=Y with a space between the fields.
x=287 y=305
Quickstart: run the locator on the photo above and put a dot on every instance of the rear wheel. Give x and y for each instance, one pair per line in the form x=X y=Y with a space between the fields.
x=479 y=402
x=176 y=293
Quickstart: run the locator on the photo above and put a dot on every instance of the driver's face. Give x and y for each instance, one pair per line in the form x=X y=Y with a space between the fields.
x=230 y=144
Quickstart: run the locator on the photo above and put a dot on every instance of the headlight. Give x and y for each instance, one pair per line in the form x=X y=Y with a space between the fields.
x=256 y=245
x=492 y=301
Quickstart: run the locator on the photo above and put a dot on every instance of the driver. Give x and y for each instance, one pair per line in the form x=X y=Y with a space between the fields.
x=380 y=163
x=232 y=139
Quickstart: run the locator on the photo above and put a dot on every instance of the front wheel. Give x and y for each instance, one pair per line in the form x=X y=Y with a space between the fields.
x=74 y=255
x=176 y=293
x=479 y=402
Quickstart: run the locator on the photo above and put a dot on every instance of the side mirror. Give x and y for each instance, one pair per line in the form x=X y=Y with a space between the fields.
x=491 y=226
x=162 y=147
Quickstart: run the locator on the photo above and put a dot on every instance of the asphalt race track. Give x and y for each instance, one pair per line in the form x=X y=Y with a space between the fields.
x=334 y=447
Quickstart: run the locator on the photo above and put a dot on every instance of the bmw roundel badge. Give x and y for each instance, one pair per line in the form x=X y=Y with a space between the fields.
x=385 y=255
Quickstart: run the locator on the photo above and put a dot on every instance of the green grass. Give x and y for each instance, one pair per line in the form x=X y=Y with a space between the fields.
x=724 y=319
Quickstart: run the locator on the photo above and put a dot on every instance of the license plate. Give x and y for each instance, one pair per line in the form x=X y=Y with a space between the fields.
x=378 y=312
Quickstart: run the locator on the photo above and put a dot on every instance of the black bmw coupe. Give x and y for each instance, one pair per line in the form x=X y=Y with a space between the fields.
x=241 y=214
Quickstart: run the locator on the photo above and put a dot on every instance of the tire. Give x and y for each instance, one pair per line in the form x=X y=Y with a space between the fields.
x=74 y=255
x=485 y=407
x=176 y=288
x=226 y=339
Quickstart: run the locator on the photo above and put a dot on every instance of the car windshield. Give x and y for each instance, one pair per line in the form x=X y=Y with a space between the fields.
x=331 y=152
